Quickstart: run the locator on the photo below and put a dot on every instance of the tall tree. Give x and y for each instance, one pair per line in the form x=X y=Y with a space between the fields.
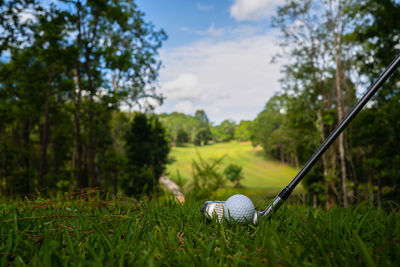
x=147 y=148
x=113 y=38
x=376 y=30
x=72 y=59
x=203 y=132
x=305 y=38
x=336 y=24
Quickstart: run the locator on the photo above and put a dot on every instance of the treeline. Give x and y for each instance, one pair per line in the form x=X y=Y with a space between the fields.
x=198 y=130
x=66 y=68
x=333 y=50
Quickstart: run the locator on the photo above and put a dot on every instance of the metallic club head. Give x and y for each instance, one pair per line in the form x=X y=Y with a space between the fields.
x=213 y=209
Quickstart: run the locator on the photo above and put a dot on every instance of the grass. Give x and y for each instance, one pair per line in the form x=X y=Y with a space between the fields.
x=259 y=173
x=88 y=231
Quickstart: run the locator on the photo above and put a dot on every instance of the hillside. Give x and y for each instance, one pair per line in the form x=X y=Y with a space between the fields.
x=259 y=172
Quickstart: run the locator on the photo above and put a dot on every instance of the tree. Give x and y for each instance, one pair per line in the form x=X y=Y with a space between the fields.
x=182 y=137
x=37 y=80
x=15 y=30
x=207 y=177
x=376 y=141
x=112 y=37
x=203 y=132
x=225 y=131
x=337 y=24
x=66 y=67
x=321 y=79
x=242 y=131
x=147 y=149
x=234 y=174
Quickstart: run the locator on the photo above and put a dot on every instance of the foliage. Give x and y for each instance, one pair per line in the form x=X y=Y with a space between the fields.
x=233 y=173
x=84 y=230
x=207 y=177
x=243 y=131
x=319 y=87
x=147 y=149
x=182 y=137
x=376 y=141
x=65 y=71
x=225 y=131
x=186 y=128
x=203 y=134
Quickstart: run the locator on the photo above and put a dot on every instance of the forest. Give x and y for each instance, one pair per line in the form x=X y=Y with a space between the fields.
x=333 y=60
x=67 y=69
x=72 y=73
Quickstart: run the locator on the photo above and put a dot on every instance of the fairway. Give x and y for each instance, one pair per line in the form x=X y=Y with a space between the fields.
x=259 y=173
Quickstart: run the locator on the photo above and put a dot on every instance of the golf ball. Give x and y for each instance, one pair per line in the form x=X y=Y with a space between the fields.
x=239 y=208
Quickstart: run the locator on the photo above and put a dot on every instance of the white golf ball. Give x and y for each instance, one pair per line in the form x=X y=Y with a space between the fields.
x=239 y=208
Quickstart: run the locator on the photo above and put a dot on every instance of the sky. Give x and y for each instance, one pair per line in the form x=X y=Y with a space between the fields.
x=217 y=56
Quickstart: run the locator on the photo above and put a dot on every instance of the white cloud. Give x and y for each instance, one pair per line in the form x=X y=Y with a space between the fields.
x=254 y=10
x=229 y=79
x=213 y=31
x=184 y=107
x=205 y=8
x=185 y=86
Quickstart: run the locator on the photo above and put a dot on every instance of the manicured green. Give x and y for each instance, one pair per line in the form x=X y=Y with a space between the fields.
x=93 y=232
x=259 y=172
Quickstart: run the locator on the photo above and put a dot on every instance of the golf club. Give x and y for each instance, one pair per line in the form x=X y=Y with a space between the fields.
x=215 y=209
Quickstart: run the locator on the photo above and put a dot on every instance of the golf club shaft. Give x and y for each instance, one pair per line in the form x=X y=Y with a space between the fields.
x=285 y=193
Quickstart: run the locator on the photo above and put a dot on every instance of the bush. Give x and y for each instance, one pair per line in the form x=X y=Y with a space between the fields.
x=141 y=182
x=206 y=178
x=234 y=174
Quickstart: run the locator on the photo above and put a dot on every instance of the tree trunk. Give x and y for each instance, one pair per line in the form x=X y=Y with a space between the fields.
x=282 y=152
x=379 y=193
x=93 y=180
x=92 y=91
x=370 y=188
x=355 y=196
x=82 y=180
x=338 y=50
x=315 y=200
x=115 y=183
x=115 y=87
x=325 y=165
x=43 y=158
x=26 y=138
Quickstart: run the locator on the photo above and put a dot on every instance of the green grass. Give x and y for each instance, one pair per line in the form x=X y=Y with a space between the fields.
x=259 y=173
x=93 y=232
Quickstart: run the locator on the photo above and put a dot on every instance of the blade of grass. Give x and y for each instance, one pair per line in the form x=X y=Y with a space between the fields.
x=362 y=249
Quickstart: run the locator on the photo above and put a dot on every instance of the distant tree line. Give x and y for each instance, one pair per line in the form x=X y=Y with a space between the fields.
x=198 y=130
x=66 y=68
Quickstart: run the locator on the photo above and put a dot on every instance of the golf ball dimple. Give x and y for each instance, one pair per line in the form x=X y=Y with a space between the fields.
x=239 y=208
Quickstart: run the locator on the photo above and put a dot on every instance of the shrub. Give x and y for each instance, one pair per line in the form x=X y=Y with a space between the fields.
x=234 y=174
x=206 y=178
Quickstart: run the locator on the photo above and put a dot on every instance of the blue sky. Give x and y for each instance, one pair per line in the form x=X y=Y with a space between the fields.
x=217 y=56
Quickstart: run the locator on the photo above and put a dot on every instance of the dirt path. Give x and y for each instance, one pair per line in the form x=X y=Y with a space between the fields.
x=173 y=187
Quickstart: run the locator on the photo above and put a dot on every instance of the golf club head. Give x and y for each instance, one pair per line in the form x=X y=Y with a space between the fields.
x=213 y=209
